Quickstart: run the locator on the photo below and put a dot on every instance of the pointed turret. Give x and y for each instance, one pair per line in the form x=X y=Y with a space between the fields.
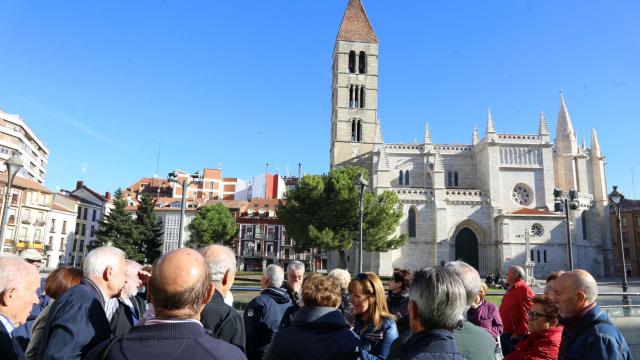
x=564 y=120
x=474 y=139
x=566 y=142
x=427 y=134
x=543 y=129
x=379 y=139
x=584 y=143
x=595 y=144
x=491 y=128
x=355 y=24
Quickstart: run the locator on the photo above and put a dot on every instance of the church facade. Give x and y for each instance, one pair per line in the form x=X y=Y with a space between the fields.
x=490 y=203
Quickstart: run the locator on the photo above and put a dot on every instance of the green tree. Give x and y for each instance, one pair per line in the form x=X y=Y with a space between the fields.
x=323 y=211
x=150 y=231
x=118 y=229
x=213 y=224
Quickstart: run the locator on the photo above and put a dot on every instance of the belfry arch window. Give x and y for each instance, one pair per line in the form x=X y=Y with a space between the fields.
x=455 y=179
x=352 y=61
x=412 y=222
x=362 y=63
x=356 y=96
x=406 y=177
x=356 y=130
x=401 y=178
x=449 y=179
x=361 y=97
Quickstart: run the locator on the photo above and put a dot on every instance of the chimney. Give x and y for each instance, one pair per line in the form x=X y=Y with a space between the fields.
x=79 y=184
x=107 y=196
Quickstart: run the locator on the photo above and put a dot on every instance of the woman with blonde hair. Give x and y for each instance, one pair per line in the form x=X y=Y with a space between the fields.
x=372 y=320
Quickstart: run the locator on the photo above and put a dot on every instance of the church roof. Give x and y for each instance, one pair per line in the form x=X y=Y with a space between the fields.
x=355 y=24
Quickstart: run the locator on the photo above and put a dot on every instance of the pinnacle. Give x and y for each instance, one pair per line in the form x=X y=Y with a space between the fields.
x=355 y=24
x=491 y=127
x=427 y=134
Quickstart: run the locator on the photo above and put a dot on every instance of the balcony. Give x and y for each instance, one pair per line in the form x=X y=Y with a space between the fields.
x=41 y=222
x=258 y=253
x=25 y=220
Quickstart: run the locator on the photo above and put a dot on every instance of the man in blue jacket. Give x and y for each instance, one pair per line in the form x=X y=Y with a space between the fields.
x=264 y=313
x=588 y=333
x=77 y=320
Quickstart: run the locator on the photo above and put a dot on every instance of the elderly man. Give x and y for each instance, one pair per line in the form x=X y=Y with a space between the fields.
x=263 y=314
x=129 y=307
x=295 y=276
x=436 y=300
x=222 y=320
x=180 y=288
x=77 y=321
x=18 y=284
x=588 y=333
x=472 y=341
x=514 y=308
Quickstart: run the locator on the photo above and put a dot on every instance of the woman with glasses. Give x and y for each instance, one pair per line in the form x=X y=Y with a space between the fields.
x=372 y=320
x=545 y=335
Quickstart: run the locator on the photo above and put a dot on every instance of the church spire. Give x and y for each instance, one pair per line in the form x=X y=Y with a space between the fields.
x=427 y=134
x=379 y=139
x=474 y=140
x=566 y=142
x=595 y=145
x=355 y=24
x=543 y=129
x=491 y=128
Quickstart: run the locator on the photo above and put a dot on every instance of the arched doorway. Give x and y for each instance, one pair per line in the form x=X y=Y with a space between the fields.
x=467 y=247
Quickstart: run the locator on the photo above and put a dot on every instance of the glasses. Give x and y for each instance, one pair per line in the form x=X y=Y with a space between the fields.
x=533 y=315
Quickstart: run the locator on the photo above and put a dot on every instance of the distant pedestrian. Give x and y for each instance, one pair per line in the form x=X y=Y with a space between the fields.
x=373 y=322
x=222 y=320
x=318 y=330
x=514 y=308
x=181 y=287
x=18 y=284
x=59 y=281
x=485 y=314
x=588 y=333
x=398 y=298
x=545 y=335
x=263 y=314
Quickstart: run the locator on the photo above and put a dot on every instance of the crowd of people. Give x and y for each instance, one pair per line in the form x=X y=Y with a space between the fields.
x=181 y=308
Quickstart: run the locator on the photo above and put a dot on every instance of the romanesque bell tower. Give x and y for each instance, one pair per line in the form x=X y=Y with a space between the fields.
x=354 y=97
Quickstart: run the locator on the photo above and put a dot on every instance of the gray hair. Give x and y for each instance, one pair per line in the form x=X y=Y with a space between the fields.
x=519 y=271
x=219 y=264
x=133 y=266
x=439 y=297
x=295 y=265
x=274 y=275
x=341 y=276
x=583 y=281
x=99 y=259
x=12 y=270
x=469 y=277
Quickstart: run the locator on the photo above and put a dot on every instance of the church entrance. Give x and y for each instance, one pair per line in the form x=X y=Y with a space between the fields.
x=467 y=247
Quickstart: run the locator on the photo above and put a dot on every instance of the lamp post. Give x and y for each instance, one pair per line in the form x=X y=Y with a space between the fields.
x=564 y=203
x=616 y=197
x=360 y=185
x=14 y=164
x=188 y=181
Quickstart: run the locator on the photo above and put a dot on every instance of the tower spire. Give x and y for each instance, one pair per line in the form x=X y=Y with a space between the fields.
x=543 y=129
x=566 y=142
x=491 y=128
x=595 y=144
x=355 y=24
x=474 y=139
x=379 y=139
x=427 y=134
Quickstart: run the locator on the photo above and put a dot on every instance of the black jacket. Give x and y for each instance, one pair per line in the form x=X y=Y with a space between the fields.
x=398 y=304
x=317 y=333
x=9 y=349
x=180 y=340
x=431 y=345
x=223 y=321
x=262 y=317
x=124 y=318
x=76 y=324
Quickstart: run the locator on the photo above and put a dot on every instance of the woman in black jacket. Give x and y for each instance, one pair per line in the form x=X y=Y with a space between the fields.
x=398 y=298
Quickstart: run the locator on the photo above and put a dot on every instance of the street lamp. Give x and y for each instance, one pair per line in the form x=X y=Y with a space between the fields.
x=564 y=203
x=188 y=181
x=616 y=197
x=14 y=164
x=360 y=185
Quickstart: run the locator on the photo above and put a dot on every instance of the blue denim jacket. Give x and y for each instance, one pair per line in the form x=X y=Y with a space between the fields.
x=593 y=337
x=376 y=344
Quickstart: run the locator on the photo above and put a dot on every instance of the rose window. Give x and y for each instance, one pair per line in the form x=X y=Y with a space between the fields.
x=537 y=230
x=521 y=195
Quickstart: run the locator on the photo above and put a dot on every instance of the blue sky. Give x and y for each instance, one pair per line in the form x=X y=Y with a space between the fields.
x=105 y=84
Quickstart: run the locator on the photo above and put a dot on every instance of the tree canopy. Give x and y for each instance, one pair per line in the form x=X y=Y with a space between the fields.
x=213 y=224
x=118 y=229
x=150 y=229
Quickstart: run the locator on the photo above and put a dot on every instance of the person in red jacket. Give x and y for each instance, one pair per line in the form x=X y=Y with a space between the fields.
x=546 y=334
x=514 y=308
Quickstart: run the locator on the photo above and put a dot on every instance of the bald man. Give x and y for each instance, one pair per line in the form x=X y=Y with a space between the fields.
x=588 y=333
x=180 y=288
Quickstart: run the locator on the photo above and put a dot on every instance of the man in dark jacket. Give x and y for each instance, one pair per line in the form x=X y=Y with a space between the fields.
x=437 y=298
x=180 y=288
x=18 y=284
x=263 y=314
x=588 y=333
x=130 y=307
x=220 y=319
x=77 y=321
x=295 y=277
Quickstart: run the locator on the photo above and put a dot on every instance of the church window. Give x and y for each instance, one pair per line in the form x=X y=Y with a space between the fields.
x=412 y=222
x=537 y=230
x=538 y=255
x=406 y=177
x=361 y=97
x=352 y=61
x=585 y=224
x=544 y=253
x=356 y=130
x=521 y=195
x=401 y=178
x=449 y=179
x=362 y=63
x=455 y=179
x=531 y=255
x=351 y=100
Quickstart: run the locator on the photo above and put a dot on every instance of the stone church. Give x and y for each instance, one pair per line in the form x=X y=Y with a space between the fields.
x=490 y=202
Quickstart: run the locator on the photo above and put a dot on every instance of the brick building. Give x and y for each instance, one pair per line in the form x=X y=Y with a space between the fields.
x=630 y=214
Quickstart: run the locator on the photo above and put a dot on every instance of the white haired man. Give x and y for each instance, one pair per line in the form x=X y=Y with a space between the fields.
x=514 y=309
x=222 y=320
x=77 y=321
x=588 y=333
x=295 y=276
x=263 y=314
x=129 y=307
x=18 y=284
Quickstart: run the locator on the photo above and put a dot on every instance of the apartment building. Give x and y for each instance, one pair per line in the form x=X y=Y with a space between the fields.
x=17 y=136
